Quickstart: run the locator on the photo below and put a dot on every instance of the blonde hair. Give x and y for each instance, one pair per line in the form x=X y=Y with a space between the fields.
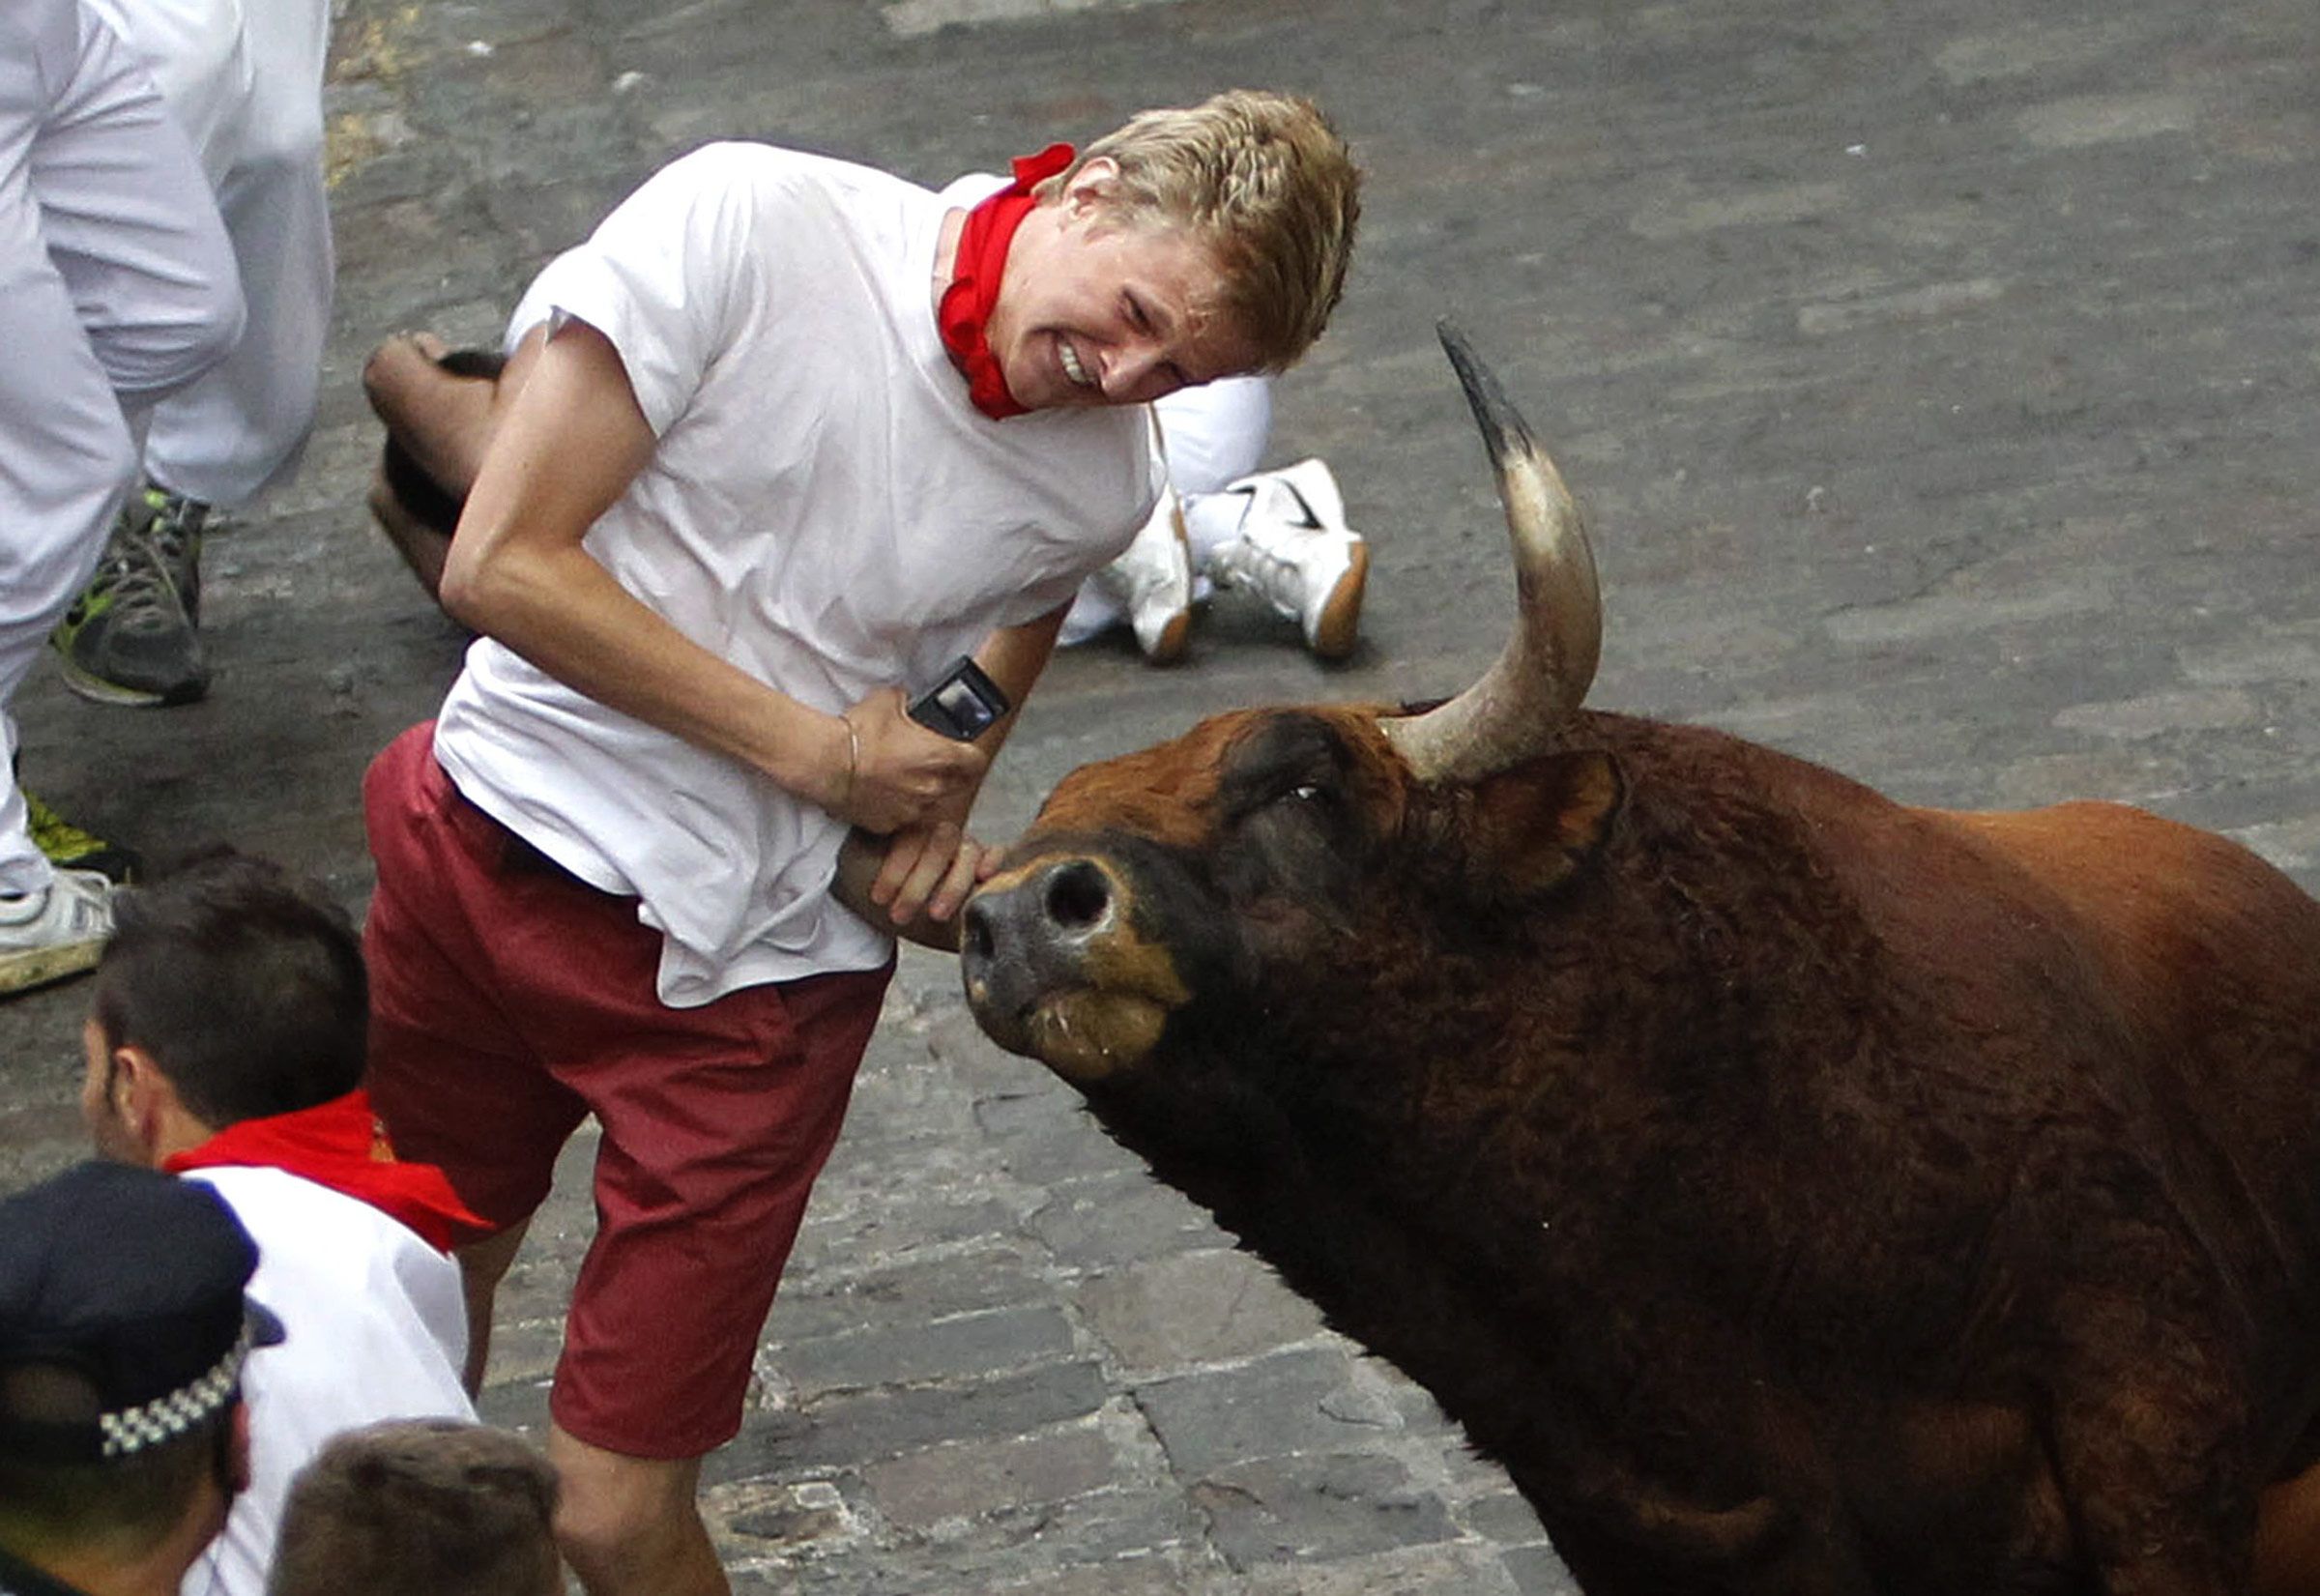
x=1266 y=184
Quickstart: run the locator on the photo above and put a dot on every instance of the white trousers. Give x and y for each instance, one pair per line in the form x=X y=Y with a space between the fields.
x=117 y=287
x=244 y=78
x=1210 y=435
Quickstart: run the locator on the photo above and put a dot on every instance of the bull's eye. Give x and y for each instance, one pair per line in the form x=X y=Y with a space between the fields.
x=1305 y=792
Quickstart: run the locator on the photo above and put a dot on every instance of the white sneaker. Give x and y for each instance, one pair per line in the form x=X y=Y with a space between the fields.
x=1153 y=582
x=48 y=935
x=1297 y=552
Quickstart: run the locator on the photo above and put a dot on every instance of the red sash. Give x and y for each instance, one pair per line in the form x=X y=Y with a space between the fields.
x=975 y=279
x=342 y=1145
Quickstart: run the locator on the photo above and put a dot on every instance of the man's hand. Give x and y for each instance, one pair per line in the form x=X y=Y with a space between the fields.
x=929 y=870
x=913 y=883
x=895 y=774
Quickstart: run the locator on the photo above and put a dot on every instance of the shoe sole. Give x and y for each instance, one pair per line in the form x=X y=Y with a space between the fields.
x=1169 y=646
x=1339 y=625
x=36 y=966
x=98 y=690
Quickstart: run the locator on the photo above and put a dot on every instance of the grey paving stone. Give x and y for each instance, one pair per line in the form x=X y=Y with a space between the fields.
x=834 y=1300
x=1317 y=1507
x=1941 y=382
x=754 y=1520
x=516 y=1405
x=1137 y=1515
x=1310 y=1399
x=1400 y=1573
x=1143 y=1576
x=1503 y=1517
x=1010 y=1549
x=973 y=1479
x=1119 y=1218
x=904 y=1350
x=1537 y=1571
x=912 y=1215
x=857 y=1428
x=1194 y=1308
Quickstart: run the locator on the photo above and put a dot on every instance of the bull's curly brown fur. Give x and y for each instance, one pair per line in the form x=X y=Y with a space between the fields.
x=1796 y=1191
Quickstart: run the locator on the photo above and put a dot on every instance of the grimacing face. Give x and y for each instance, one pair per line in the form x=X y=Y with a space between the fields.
x=1096 y=310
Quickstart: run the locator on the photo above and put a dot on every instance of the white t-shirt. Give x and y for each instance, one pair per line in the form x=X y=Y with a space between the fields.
x=376 y=1329
x=824 y=508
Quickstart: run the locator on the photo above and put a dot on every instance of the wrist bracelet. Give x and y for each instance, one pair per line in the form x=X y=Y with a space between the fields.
x=853 y=759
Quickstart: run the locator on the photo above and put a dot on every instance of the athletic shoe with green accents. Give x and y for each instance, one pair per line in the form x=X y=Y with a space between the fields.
x=132 y=637
x=69 y=847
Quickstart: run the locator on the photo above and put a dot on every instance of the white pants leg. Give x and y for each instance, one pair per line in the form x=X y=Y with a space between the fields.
x=1215 y=433
x=244 y=78
x=198 y=57
x=1210 y=435
x=116 y=287
x=1216 y=441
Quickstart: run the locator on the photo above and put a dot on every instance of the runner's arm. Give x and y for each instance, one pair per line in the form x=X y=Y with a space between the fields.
x=569 y=446
x=913 y=883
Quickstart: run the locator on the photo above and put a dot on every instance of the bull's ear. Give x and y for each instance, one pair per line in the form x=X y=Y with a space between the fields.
x=1537 y=825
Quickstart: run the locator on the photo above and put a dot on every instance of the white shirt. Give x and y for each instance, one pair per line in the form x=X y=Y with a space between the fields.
x=824 y=508
x=375 y=1329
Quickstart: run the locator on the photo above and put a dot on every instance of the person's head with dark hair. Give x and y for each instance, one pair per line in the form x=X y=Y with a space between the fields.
x=229 y=991
x=123 y=1334
x=426 y=1507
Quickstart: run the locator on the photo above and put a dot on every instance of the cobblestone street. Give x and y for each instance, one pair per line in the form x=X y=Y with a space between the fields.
x=1944 y=382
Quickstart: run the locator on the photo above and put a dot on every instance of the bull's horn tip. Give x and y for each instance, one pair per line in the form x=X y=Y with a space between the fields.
x=1504 y=431
x=1457 y=347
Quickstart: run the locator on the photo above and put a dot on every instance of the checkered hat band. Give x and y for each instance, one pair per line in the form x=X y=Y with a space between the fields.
x=164 y=1418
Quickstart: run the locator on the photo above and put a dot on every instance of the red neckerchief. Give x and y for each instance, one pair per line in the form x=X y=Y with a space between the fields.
x=974 y=276
x=341 y=1145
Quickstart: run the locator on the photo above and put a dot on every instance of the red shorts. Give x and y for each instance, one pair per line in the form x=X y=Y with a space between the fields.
x=508 y=1000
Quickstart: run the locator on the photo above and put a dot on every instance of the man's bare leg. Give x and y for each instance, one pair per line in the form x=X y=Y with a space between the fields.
x=483 y=1265
x=443 y=420
x=444 y=417
x=423 y=547
x=629 y=1526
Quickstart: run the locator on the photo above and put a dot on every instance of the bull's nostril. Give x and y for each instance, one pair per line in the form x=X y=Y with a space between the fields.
x=974 y=932
x=1078 y=896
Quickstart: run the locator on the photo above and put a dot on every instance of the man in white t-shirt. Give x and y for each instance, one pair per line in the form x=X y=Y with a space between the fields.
x=784 y=438
x=226 y=1044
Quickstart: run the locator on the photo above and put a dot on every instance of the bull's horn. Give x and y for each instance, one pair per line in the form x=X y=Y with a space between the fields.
x=1545 y=670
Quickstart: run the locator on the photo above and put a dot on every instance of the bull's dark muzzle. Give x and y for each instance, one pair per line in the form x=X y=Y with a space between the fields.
x=1026 y=932
x=1057 y=903
x=1053 y=967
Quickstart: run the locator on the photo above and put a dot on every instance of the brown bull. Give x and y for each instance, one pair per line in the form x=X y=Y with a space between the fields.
x=1796 y=1191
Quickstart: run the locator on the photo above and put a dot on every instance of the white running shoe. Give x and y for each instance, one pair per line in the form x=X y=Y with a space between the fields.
x=1295 y=551
x=1153 y=582
x=48 y=935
